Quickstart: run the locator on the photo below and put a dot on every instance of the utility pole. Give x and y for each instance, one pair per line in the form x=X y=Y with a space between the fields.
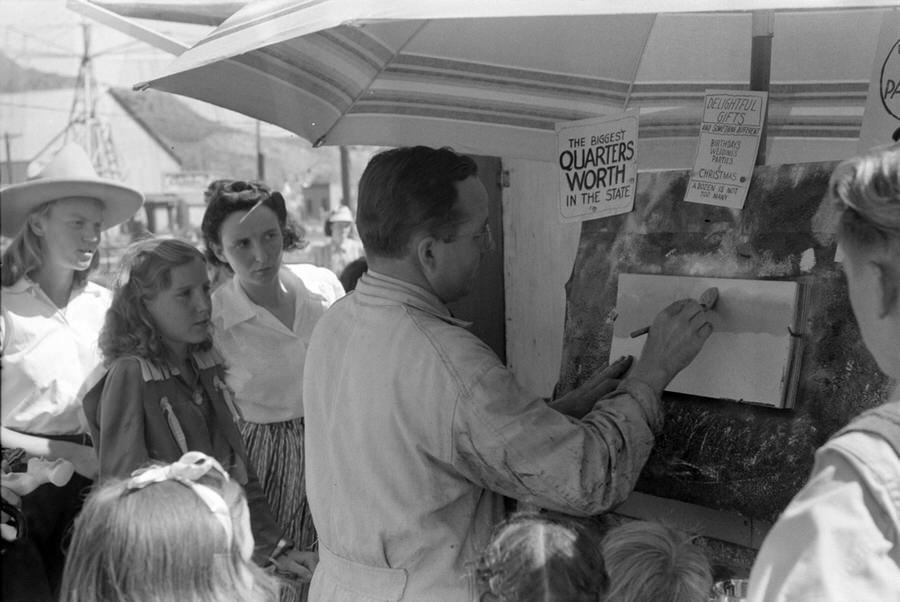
x=761 y=67
x=345 y=178
x=9 y=161
x=260 y=157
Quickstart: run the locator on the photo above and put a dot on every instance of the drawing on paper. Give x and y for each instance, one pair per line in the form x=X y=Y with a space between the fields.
x=750 y=355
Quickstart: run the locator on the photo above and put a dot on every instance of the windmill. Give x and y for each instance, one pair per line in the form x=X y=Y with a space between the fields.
x=85 y=125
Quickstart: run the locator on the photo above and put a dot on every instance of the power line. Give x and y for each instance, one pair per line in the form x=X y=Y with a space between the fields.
x=48 y=108
x=119 y=48
x=138 y=45
x=42 y=40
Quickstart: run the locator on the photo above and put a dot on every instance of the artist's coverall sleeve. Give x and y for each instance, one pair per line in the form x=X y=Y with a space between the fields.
x=513 y=443
x=838 y=539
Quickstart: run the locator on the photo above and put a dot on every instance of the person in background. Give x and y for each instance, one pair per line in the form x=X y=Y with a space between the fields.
x=542 y=557
x=164 y=393
x=353 y=272
x=170 y=532
x=839 y=538
x=341 y=249
x=262 y=320
x=434 y=429
x=51 y=317
x=651 y=562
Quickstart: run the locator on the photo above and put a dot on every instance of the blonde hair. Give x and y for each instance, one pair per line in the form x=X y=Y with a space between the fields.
x=161 y=543
x=863 y=201
x=542 y=557
x=25 y=254
x=651 y=562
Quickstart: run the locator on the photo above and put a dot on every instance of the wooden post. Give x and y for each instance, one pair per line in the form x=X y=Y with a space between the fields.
x=345 y=179
x=260 y=157
x=9 y=161
x=761 y=67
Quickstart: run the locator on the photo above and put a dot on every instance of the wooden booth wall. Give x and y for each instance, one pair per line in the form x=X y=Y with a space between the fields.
x=715 y=453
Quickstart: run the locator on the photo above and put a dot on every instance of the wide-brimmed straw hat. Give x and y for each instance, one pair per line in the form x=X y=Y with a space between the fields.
x=68 y=174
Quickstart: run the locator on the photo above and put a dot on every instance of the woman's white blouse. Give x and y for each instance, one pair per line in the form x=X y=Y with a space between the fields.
x=263 y=358
x=50 y=357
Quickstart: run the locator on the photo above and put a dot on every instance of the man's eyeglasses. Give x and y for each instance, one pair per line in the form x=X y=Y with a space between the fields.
x=483 y=238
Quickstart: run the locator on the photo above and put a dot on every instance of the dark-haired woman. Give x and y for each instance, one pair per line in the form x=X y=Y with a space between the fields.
x=262 y=320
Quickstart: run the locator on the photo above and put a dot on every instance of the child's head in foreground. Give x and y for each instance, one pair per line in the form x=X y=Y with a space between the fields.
x=172 y=532
x=651 y=562
x=542 y=558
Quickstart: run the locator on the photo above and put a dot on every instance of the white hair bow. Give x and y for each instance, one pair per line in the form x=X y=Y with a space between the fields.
x=190 y=467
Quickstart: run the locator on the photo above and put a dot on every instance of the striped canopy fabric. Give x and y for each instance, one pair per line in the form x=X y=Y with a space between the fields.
x=195 y=12
x=495 y=77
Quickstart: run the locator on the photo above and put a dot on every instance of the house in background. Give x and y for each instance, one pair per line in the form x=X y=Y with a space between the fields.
x=168 y=149
x=33 y=119
x=34 y=122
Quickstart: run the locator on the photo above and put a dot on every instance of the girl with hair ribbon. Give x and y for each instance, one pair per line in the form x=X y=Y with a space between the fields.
x=164 y=393
x=170 y=532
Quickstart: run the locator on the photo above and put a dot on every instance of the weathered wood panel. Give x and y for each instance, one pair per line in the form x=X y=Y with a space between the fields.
x=538 y=256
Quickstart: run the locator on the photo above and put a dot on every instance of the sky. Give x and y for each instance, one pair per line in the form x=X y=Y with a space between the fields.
x=45 y=35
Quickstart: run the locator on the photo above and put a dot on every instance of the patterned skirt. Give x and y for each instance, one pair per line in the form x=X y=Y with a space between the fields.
x=275 y=451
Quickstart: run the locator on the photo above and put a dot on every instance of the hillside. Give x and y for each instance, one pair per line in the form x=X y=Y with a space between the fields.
x=15 y=78
x=204 y=145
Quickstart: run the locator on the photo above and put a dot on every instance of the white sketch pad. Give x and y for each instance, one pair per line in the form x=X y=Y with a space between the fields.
x=748 y=357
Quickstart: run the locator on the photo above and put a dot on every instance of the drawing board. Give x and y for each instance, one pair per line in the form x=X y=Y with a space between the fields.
x=748 y=357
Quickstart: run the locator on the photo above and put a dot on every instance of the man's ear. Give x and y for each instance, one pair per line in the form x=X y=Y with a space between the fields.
x=888 y=278
x=425 y=253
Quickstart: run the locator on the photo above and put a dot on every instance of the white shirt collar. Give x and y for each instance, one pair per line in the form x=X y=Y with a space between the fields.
x=235 y=305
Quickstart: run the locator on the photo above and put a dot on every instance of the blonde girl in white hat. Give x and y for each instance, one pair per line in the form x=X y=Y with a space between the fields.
x=51 y=317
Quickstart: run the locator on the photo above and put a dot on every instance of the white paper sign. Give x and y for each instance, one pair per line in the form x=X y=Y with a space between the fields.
x=726 y=152
x=597 y=161
x=881 y=121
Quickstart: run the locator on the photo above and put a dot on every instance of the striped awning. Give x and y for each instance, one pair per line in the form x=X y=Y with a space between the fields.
x=495 y=77
x=196 y=12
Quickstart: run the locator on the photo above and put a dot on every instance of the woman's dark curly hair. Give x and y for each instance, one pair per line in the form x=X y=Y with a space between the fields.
x=224 y=197
x=144 y=271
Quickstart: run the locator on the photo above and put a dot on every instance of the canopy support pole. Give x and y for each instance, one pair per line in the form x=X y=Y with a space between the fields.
x=761 y=67
x=127 y=26
x=345 y=179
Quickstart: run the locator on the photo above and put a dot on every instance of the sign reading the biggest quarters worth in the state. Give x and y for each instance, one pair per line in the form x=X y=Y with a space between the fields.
x=597 y=161
x=726 y=152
